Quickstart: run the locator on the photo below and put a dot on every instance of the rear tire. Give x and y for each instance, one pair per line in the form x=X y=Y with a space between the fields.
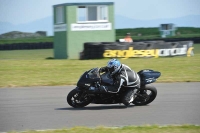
x=77 y=99
x=143 y=98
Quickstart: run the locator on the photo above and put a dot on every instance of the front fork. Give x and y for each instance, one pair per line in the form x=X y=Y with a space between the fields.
x=138 y=93
x=134 y=95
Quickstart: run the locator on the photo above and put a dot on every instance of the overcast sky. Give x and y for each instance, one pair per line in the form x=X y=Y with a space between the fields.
x=23 y=11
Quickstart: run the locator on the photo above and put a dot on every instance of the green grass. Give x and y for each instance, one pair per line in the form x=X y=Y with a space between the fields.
x=127 y=129
x=30 y=68
x=158 y=37
x=26 y=40
x=147 y=33
x=40 y=54
x=50 y=39
x=196 y=48
x=155 y=31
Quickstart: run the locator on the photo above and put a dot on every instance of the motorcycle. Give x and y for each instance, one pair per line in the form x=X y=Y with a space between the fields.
x=81 y=96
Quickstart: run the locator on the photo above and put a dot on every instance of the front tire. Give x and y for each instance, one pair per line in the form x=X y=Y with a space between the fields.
x=145 y=96
x=78 y=99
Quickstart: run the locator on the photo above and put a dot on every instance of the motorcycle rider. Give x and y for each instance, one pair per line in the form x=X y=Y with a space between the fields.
x=121 y=75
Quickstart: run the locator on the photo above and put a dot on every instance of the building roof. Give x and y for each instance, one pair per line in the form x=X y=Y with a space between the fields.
x=84 y=4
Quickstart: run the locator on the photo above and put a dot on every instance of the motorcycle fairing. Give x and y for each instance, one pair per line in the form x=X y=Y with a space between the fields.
x=88 y=78
x=148 y=76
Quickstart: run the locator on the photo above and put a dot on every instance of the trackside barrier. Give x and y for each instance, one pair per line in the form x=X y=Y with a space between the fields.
x=26 y=46
x=49 y=45
x=136 y=49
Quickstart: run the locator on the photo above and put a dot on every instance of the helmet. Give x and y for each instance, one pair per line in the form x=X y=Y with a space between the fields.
x=113 y=66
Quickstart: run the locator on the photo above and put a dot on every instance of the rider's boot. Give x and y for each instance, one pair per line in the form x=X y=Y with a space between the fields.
x=103 y=89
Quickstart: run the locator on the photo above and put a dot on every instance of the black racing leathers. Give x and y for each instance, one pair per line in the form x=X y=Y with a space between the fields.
x=124 y=77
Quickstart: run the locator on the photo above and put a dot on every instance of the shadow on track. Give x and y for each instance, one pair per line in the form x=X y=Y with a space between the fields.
x=96 y=107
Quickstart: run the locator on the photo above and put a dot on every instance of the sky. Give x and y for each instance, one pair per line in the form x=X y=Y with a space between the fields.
x=24 y=11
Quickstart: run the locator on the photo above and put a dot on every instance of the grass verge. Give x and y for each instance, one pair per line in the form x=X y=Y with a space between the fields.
x=30 y=68
x=146 y=33
x=127 y=129
x=158 y=36
x=134 y=37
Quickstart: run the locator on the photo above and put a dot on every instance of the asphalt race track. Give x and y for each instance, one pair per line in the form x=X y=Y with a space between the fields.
x=38 y=108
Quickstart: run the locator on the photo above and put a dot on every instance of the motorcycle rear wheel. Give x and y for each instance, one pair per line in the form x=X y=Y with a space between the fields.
x=146 y=96
x=78 y=99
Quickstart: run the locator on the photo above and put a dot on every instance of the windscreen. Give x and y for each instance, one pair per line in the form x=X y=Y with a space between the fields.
x=94 y=73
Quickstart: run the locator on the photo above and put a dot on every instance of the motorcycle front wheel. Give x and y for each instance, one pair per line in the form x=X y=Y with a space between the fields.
x=145 y=96
x=78 y=99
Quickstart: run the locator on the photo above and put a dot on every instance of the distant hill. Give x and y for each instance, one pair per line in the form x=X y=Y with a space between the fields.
x=186 y=21
x=18 y=34
x=46 y=24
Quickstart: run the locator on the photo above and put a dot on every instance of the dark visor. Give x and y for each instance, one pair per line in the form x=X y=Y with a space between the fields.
x=111 y=69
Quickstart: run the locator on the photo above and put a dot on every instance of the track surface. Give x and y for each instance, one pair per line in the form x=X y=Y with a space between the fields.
x=37 y=108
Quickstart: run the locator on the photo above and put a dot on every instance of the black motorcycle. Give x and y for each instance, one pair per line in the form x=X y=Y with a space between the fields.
x=81 y=96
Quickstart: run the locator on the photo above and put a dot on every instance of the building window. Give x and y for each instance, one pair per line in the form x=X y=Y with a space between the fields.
x=92 y=14
x=103 y=13
x=59 y=14
x=166 y=26
x=82 y=13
